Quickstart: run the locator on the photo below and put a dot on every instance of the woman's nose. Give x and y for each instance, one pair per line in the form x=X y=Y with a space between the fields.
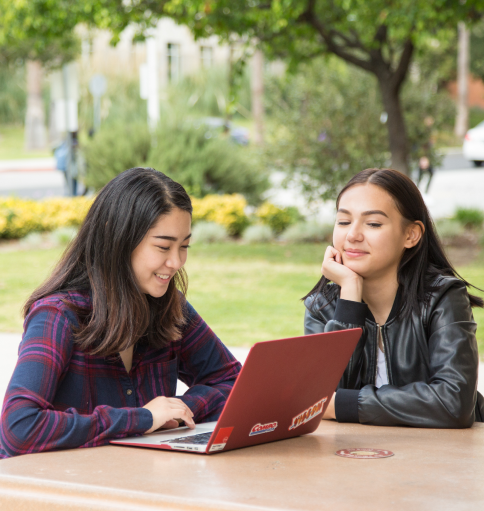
x=354 y=234
x=174 y=261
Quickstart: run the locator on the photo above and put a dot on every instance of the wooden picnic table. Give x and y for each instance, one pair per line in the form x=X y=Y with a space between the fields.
x=431 y=470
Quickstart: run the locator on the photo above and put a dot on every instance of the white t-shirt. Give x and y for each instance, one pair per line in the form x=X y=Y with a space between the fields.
x=381 y=370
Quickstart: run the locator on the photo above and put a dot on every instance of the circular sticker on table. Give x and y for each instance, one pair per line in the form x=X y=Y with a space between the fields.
x=364 y=453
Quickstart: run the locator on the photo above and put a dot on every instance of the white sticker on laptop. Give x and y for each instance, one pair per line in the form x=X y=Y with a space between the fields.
x=221 y=439
x=258 y=429
x=308 y=414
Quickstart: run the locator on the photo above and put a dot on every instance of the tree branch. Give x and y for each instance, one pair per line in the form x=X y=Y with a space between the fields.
x=405 y=59
x=309 y=16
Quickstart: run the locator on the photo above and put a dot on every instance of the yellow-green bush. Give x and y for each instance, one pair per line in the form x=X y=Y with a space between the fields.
x=278 y=219
x=227 y=210
x=19 y=217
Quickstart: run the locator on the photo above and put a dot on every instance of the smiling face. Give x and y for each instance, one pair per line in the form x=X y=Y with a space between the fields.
x=370 y=232
x=162 y=252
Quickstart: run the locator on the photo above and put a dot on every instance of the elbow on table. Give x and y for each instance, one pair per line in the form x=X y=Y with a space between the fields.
x=17 y=434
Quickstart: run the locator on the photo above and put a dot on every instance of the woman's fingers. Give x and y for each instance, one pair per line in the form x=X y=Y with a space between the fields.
x=178 y=402
x=164 y=410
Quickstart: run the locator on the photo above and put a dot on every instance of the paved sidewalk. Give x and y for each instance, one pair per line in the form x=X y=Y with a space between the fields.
x=8 y=358
x=28 y=164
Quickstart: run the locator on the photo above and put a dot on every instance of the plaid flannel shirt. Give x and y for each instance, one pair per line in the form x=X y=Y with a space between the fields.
x=60 y=397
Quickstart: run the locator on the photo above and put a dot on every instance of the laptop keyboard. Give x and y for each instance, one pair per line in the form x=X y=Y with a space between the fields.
x=201 y=438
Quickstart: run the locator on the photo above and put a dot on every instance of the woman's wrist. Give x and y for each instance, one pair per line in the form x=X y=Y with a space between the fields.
x=352 y=290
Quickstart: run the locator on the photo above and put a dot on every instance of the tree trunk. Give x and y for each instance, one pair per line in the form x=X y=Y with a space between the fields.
x=257 y=89
x=462 y=117
x=35 y=132
x=397 y=133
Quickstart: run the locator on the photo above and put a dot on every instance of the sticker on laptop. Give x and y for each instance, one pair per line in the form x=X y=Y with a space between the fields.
x=308 y=414
x=221 y=439
x=258 y=429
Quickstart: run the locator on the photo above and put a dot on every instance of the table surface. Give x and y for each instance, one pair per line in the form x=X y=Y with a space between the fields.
x=431 y=469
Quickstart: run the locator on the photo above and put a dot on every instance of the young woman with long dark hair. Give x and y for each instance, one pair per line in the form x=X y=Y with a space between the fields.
x=416 y=363
x=110 y=331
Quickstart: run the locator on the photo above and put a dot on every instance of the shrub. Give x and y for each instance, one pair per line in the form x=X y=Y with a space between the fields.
x=115 y=148
x=470 y=218
x=205 y=163
x=208 y=232
x=308 y=232
x=63 y=235
x=448 y=228
x=258 y=234
x=33 y=239
x=226 y=210
x=189 y=153
x=18 y=217
x=278 y=219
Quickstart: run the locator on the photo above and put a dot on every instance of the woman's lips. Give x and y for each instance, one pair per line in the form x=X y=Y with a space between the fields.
x=165 y=280
x=355 y=253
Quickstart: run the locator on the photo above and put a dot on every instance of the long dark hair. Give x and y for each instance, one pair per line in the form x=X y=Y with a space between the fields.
x=99 y=261
x=421 y=264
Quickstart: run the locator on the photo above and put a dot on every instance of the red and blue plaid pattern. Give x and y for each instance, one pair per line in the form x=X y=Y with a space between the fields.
x=59 y=397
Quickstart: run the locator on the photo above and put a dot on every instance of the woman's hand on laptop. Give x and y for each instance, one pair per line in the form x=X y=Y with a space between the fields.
x=330 y=413
x=166 y=410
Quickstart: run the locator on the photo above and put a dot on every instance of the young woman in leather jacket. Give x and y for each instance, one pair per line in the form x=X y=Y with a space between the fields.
x=416 y=363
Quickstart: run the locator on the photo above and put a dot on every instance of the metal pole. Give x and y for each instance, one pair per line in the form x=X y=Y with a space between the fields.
x=70 y=184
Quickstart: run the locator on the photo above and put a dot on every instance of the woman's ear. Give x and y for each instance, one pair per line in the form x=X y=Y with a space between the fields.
x=414 y=233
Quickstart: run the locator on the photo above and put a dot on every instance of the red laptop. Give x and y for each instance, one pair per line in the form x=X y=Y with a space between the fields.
x=281 y=392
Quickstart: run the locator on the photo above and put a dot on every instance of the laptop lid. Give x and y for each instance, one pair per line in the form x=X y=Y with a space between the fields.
x=283 y=389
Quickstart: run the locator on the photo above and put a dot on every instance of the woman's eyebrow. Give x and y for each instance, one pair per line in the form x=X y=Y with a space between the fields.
x=374 y=212
x=171 y=238
x=365 y=213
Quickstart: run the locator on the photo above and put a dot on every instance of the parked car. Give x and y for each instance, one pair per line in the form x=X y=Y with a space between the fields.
x=218 y=125
x=473 y=147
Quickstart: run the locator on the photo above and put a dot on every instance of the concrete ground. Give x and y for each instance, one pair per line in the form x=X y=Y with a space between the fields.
x=9 y=345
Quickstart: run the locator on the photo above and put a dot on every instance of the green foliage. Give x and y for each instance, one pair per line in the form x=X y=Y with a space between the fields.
x=470 y=218
x=278 y=219
x=12 y=95
x=208 y=232
x=476 y=116
x=207 y=93
x=448 y=229
x=116 y=147
x=205 y=164
x=326 y=126
x=308 y=232
x=426 y=109
x=258 y=234
x=226 y=210
x=40 y=30
x=477 y=50
x=183 y=147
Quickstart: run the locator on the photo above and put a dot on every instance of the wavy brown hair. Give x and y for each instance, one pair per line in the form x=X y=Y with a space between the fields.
x=98 y=261
x=420 y=265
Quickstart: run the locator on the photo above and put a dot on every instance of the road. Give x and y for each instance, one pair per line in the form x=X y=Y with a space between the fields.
x=456 y=183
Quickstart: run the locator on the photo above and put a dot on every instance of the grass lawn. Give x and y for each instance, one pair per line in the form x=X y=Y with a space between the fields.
x=246 y=293
x=12 y=144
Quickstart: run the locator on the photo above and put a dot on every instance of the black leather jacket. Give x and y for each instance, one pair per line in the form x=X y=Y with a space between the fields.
x=431 y=358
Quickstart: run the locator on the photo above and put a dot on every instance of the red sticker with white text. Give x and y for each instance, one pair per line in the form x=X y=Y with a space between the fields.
x=258 y=429
x=308 y=414
x=221 y=439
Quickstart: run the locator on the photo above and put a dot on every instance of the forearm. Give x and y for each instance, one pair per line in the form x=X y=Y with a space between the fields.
x=28 y=428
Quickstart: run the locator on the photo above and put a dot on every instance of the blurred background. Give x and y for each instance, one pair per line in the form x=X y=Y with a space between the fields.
x=261 y=109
